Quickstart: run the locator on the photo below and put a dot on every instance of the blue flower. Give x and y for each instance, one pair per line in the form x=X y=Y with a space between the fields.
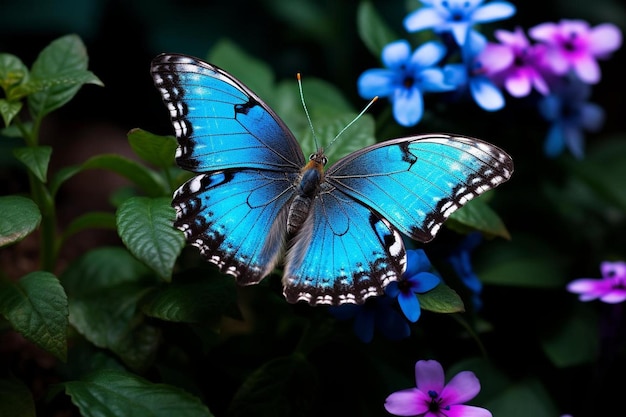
x=472 y=73
x=456 y=16
x=406 y=76
x=462 y=265
x=377 y=312
x=416 y=279
x=569 y=113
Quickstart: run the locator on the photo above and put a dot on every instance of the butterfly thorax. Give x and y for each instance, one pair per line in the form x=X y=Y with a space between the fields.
x=308 y=186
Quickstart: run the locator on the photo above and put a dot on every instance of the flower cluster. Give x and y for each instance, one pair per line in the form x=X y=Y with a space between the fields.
x=560 y=65
x=611 y=288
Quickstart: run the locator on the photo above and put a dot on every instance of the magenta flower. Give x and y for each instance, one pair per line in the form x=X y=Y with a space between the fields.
x=433 y=398
x=611 y=288
x=516 y=62
x=572 y=44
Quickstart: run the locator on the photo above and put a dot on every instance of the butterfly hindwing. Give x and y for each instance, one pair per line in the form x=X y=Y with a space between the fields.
x=417 y=182
x=236 y=218
x=344 y=253
x=220 y=123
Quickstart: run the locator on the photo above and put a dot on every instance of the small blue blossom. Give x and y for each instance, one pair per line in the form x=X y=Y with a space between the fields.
x=456 y=16
x=462 y=265
x=472 y=74
x=377 y=313
x=416 y=279
x=406 y=77
x=569 y=113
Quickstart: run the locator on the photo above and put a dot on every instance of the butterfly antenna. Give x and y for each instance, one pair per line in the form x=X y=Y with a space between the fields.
x=372 y=101
x=306 y=111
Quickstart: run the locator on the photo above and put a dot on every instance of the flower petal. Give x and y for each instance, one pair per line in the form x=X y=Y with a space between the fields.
x=428 y=54
x=604 y=39
x=495 y=58
x=460 y=31
x=586 y=285
x=496 y=10
x=410 y=306
x=614 y=297
x=486 y=94
x=613 y=269
x=455 y=74
x=544 y=32
x=416 y=261
x=574 y=140
x=467 y=411
x=423 y=18
x=423 y=282
x=376 y=82
x=433 y=80
x=408 y=402
x=587 y=69
x=462 y=387
x=555 y=141
x=396 y=54
x=408 y=106
x=518 y=84
x=429 y=376
x=591 y=117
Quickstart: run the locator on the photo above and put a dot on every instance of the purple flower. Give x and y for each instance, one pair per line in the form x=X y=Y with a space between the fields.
x=377 y=313
x=456 y=16
x=462 y=265
x=433 y=398
x=406 y=76
x=611 y=288
x=519 y=64
x=572 y=44
x=472 y=73
x=416 y=279
x=569 y=113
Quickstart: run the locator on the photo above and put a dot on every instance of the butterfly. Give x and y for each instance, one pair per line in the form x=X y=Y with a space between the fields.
x=256 y=200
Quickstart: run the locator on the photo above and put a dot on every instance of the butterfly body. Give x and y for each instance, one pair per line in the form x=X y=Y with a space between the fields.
x=255 y=195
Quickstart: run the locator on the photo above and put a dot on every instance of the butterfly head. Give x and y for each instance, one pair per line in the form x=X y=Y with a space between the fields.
x=317 y=161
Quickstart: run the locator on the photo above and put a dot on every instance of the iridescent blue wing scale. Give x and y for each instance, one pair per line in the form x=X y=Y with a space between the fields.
x=417 y=182
x=344 y=253
x=220 y=123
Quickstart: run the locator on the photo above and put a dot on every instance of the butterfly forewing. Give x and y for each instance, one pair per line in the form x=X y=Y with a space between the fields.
x=219 y=123
x=417 y=182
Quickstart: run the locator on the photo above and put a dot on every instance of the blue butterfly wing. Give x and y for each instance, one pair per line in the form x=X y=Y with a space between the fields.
x=417 y=182
x=237 y=218
x=344 y=253
x=248 y=161
x=219 y=122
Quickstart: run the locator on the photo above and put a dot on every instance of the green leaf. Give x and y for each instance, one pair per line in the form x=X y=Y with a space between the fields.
x=20 y=217
x=144 y=178
x=36 y=306
x=373 y=30
x=603 y=170
x=9 y=109
x=279 y=388
x=155 y=149
x=113 y=393
x=253 y=72
x=525 y=261
x=572 y=339
x=58 y=73
x=105 y=286
x=91 y=220
x=193 y=301
x=441 y=299
x=15 y=399
x=12 y=72
x=526 y=398
x=36 y=159
x=477 y=215
x=145 y=226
